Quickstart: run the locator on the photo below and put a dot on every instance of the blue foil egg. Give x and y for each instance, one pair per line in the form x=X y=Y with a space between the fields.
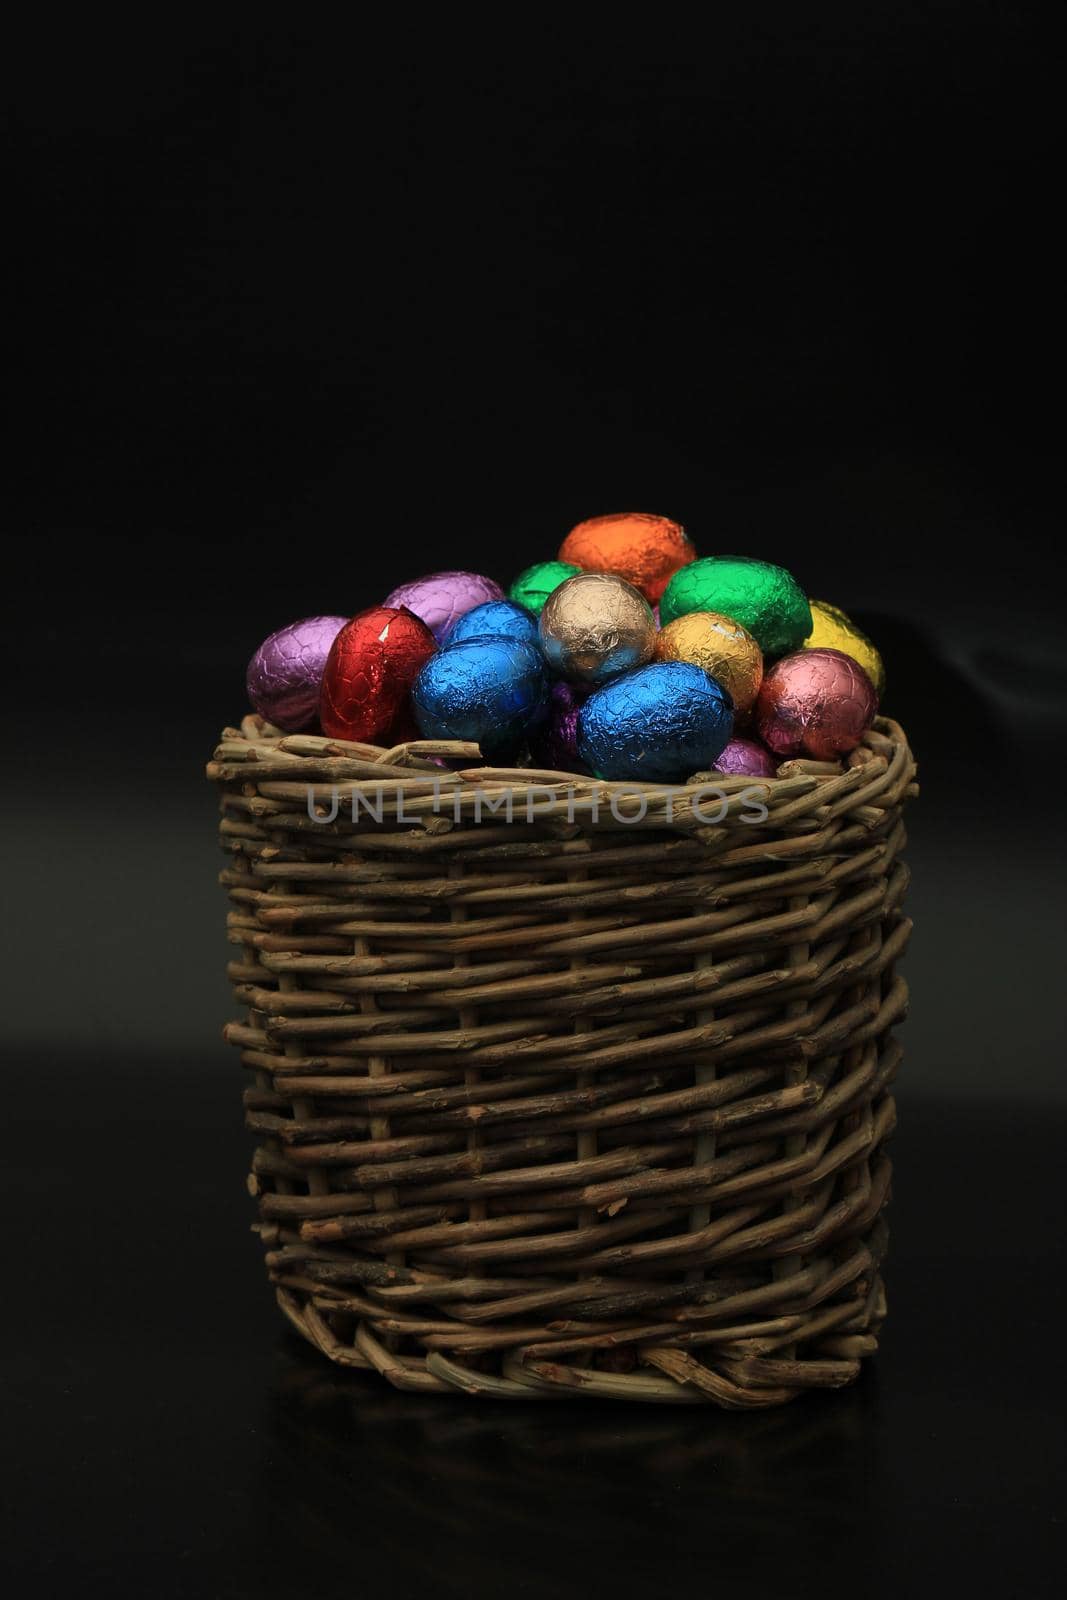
x=501 y=619
x=489 y=690
x=659 y=724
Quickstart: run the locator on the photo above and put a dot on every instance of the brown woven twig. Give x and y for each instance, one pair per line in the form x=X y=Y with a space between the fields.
x=590 y=1098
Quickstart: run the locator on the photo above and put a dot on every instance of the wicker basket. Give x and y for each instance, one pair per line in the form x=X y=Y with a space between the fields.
x=590 y=1098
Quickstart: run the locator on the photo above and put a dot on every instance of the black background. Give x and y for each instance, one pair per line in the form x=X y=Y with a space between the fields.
x=295 y=317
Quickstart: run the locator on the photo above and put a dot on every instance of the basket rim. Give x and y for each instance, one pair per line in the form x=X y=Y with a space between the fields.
x=884 y=741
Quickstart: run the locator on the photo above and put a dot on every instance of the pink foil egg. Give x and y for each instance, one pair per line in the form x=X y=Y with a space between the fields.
x=817 y=703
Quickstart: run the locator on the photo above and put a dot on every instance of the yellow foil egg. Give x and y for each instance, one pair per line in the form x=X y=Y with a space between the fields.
x=834 y=630
x=727 y=652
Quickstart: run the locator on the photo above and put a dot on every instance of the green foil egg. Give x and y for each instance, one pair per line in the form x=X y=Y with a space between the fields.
x=765 y=599
x=533 y=587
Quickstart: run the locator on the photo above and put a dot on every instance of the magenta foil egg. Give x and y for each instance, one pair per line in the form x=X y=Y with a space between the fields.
x=555 y=744
x=285 y=674
x=441 y=598
x=744 y=758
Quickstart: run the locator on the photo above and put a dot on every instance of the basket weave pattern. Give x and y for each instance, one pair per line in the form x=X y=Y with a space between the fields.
x=584 y=1102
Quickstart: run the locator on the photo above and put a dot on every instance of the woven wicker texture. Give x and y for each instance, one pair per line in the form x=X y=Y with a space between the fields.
x=591 y=1101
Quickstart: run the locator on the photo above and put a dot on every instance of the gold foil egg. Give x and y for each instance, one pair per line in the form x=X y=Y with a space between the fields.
x=834 y=630
x=595 y=626
x=726 y=651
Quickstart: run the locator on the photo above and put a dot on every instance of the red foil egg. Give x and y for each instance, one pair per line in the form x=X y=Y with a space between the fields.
x=369 y=672
x=817 y=703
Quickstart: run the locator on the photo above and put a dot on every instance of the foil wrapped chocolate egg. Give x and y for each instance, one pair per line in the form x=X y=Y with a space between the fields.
x=631 y=544
x=284 y=676
x=443 y=597
x=594 y=627
x=725 y=650
x=502 y=619
x=833 y=630
x=372 y=665
x=489 y=690
x=643 y=549
x=765 y=599
x=533 y=587
x=817 y=703
x=554 y=745
x=744 y=758
x=659 y=724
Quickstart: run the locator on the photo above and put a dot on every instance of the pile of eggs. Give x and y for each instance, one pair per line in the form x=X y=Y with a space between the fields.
x=626 y=657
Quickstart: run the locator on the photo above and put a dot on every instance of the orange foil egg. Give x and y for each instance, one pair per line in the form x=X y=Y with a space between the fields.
x=726 y=651
x=645 y=550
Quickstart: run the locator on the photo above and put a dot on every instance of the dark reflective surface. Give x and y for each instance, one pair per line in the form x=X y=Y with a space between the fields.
x=555 y=1500
x=170 y=1438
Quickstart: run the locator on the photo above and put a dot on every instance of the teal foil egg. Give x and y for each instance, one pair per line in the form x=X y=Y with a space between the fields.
x=659 y=724
x=501 y=619
x=489 y=690
x=765 y=599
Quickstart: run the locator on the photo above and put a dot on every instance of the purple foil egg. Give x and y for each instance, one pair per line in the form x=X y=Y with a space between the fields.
x=655 y=615
x=744 y=758
x=443 y=597
x=285 y=674
x=555 y=744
